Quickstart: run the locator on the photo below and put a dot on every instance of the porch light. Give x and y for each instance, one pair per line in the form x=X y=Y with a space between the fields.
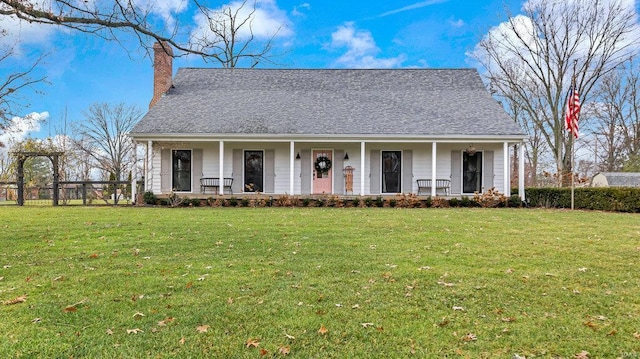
x=298 y=156
x=346 y=156
x=471 y=150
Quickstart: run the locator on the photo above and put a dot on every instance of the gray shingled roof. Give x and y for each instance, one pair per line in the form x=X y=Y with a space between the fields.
x=622 y=179
x=417 y=102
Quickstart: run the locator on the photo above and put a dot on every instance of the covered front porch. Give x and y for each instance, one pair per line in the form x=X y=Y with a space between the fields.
x=342 y=167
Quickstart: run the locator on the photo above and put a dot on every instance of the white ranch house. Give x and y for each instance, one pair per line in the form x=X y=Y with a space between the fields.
x=271 y=130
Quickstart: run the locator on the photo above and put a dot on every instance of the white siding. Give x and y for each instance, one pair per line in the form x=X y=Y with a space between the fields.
x=421 y=161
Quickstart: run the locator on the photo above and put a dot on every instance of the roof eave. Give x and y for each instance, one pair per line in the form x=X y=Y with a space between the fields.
x=244 y=137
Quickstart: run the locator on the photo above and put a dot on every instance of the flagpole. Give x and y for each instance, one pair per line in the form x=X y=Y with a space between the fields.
x=572 y=138
x=573 y=159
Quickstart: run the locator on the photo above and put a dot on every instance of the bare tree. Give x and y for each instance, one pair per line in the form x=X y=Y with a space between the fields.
x=13 y=86
x=107 y=19
x=530 y=59
x=230 y=37
x=617 y=117
x=102 y=135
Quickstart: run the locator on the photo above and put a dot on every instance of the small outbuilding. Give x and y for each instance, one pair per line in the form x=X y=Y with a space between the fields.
x=616 y=179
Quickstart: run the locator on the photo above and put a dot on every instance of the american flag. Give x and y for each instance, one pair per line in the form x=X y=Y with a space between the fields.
x=573 y=112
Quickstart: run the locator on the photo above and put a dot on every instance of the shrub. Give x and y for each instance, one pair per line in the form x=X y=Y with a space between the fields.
x=233 y=202
x=465 y=201
x=379 y=201
x=150 y=198
x=368 y=201
x=439 y=202
x=490 y=199
x=428 y=202
x=174 y=200
x=356 y=202
x=306 y=202
x=286 y=201
x=392 y=202
x=515 y=201
x=454 y=202
x=624 y=199
x=244 y=202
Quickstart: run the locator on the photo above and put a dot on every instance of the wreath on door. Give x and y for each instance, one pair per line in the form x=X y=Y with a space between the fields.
x=323 y=164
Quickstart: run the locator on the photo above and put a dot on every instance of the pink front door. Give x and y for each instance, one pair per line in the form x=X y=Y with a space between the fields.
x=321 y=179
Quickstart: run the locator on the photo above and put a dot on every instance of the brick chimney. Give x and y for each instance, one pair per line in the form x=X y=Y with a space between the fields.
x=162 y=70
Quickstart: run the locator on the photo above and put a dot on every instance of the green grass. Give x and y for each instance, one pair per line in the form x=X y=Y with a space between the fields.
x=384 y=282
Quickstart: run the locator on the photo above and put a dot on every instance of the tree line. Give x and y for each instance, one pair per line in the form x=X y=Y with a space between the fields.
x=530 y=63
x=95 y=148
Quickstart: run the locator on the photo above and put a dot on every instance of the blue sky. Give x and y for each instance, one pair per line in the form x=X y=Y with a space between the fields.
x=82 y=70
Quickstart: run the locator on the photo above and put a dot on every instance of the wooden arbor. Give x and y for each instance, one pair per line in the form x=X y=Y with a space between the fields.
x=22 y=156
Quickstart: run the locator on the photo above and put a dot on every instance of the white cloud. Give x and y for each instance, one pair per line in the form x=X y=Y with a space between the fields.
x=417 y=5
x=19 y=32
x=520 y=34
x=361 y=49
x=266 y=21
x=167 y=9
x=456 y=23
x=20 y=127
x=298 y=10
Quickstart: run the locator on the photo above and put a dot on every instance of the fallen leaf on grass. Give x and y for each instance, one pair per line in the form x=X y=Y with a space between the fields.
x=323 y=330
x=509 y=319
x=591 y=325
x=135 y=331
x=253 y=343
x=109 y=332
x=469 y=337
x=16 y=300
x=636 y=335
x=458 y=308
x=444 y=322
x=582 y=355
x=290 y=337
x=138 y=315
x=202 y=328
x=367 y=325
x=163 y=323
x=36 y=320
x=182 y=340
x=263 y=352
x=284 y=350
x=583 y=269
x=74 y=307
x=442 y=283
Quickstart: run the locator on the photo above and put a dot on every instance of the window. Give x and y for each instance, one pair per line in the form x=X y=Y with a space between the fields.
x=471 y=172
x=391 y=171
x=253 y=171
x=181 y=165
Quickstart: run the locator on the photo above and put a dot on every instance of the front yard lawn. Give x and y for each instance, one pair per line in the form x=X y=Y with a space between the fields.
x=318 y=282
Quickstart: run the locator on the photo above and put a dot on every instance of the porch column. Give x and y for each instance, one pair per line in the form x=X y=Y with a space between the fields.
x=434 y=156
x=507 y=180
x=148 y=167
x=362 y=171
x=221 y=169
x=292 y=163
x=521 y=173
